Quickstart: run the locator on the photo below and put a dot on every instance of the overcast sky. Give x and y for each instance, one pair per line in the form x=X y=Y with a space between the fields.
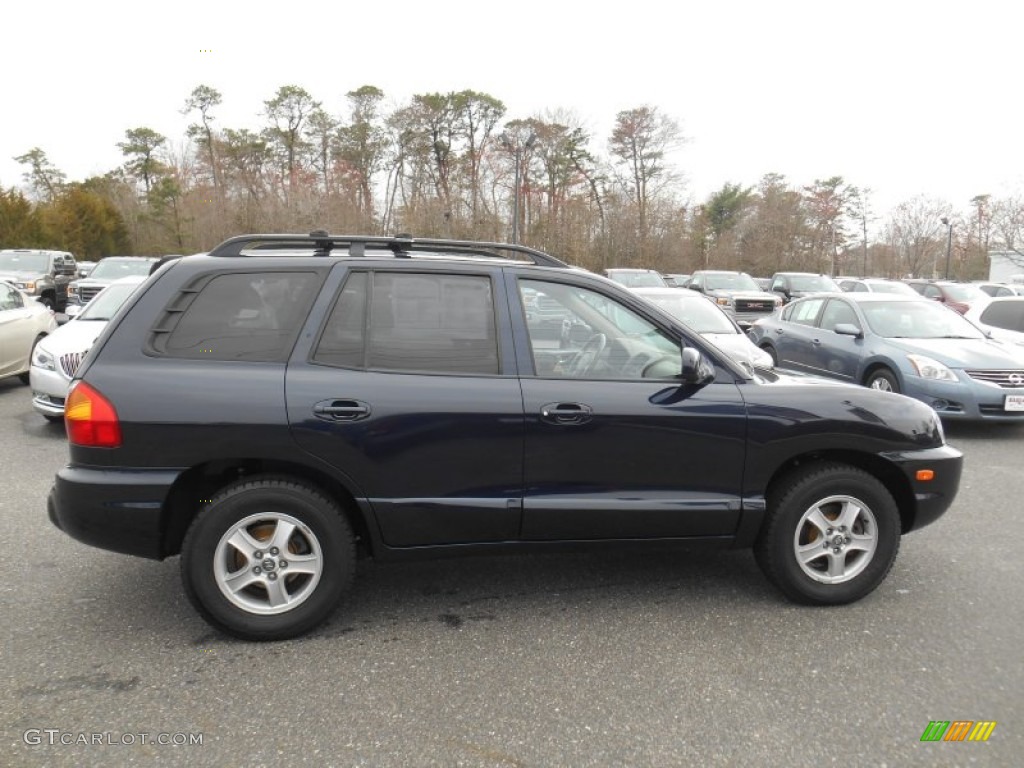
x=907 y=98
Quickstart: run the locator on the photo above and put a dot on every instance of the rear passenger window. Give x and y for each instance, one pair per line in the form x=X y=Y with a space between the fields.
x=239 y=316
x=430 y=323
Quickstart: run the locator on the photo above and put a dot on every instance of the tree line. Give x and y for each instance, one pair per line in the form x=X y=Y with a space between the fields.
x=455 y=165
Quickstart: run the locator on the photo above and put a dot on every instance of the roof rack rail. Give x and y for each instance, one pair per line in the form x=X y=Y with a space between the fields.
x=320 y=243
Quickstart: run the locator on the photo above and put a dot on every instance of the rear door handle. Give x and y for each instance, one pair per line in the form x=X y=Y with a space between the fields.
x=566 y=413
x=341 y=410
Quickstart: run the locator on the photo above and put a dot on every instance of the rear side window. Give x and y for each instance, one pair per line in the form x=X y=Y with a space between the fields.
x=237 y=316
x=806 y=312
x=1005 y=314
x=427 y=323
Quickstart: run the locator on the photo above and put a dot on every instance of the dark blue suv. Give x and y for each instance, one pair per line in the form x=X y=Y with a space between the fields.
x=287 y=403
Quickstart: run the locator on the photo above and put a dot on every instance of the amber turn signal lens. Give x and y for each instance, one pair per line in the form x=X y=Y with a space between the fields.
x=925 y=474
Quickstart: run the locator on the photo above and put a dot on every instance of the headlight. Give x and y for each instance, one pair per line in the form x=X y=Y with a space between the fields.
x=723 y=301
x=927 y=368
x=43 y=359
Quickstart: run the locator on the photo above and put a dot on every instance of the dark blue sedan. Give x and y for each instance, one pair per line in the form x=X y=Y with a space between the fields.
x=899 y=344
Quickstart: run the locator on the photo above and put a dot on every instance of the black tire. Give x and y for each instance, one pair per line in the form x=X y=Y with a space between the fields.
x=883 y=379
x=772 y=354
x=319 y=541
x=790 y=529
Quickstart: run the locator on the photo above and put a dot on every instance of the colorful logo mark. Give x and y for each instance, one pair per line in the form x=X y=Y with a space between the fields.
x=958 y=730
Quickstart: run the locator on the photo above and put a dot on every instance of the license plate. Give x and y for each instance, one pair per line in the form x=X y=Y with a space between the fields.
x=1014 y=403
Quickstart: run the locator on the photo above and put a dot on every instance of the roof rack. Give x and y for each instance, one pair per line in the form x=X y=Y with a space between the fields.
x=403 y=246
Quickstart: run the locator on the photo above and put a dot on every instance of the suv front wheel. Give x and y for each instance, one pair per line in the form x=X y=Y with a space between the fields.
x=831 y=535
x=268 y=558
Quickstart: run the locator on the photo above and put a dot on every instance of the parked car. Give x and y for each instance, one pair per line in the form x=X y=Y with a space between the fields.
x=899 y=344
x=736 y=293
x=1001 y=318
x=1000 y=289
x=272 y=417
x=23 y=322
x=57 y=357
x=793 y=285
x=875 y=285
x=636 y=278
x=958 y=296
x=676 y=280
x=42 y=275
x=103 y=274
x=707 y=318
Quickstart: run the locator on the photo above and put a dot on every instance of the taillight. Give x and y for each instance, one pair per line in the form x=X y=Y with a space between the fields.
x=90 y=418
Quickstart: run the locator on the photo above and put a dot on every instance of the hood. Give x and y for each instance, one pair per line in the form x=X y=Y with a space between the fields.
x=964 y=353
x=20 y=277
x=740 y=348
x=74 y=336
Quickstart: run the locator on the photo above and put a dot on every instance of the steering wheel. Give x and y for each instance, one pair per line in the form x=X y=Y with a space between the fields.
x=587 y=356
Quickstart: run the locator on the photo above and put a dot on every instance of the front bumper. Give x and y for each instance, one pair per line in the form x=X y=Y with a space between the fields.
x=931 y=497
x=49 y=390
x=964 y=400
x=120 y=510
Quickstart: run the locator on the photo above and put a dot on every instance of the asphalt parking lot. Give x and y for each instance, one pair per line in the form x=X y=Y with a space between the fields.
x=556 y=660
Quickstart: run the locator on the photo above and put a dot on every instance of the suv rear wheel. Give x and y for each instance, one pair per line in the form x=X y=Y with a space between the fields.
x=831 y=536
x=268 y=558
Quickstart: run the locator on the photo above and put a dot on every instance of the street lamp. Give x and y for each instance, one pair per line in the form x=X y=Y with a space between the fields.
x=517 y=150
x=949 y=241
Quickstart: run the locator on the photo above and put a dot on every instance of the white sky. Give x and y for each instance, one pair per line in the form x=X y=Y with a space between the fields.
x=904 y=97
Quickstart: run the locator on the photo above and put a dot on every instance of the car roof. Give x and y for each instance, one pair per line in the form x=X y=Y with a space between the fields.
x=870 y=297
x=674 y=293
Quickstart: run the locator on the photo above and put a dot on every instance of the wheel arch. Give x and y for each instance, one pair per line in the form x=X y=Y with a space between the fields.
x=197 y=485
x=876 y=365
x=884 y=471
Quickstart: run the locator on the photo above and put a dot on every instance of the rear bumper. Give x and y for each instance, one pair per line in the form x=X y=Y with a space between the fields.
x=114 y=509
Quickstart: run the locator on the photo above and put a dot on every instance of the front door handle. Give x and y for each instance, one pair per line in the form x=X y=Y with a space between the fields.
x=566 y=413
x=341 y=410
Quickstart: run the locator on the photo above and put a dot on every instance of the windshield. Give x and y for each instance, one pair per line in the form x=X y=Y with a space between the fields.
x=813 y=283
x=696 y=311
x=1008 y=315
x=638 y=279
x=893 y=288
x=112 y=269
x=731 y=283
x=108 y=301
x=24 y=262
x=917 y=320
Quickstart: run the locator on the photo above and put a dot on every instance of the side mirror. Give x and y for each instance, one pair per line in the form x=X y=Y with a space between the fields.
x=697 y=369
x=848 y=329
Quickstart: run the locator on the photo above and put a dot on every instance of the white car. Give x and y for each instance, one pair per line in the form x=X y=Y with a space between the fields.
x=23 y=322
x=1002 y=318
x=701 y=314
x=56 y=358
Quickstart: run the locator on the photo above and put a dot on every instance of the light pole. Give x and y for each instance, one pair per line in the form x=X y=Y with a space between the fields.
x=949 y=241
x=517 y=150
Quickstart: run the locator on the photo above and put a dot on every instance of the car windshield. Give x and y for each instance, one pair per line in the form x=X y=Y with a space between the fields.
x=112 y=269
x=696 y=311
x=731 y=283
x=107 y=302
x=638 y=279
x=917 y=320
x=813 y=283
x=24 y=262
x=893 y=288
x=963 y=292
